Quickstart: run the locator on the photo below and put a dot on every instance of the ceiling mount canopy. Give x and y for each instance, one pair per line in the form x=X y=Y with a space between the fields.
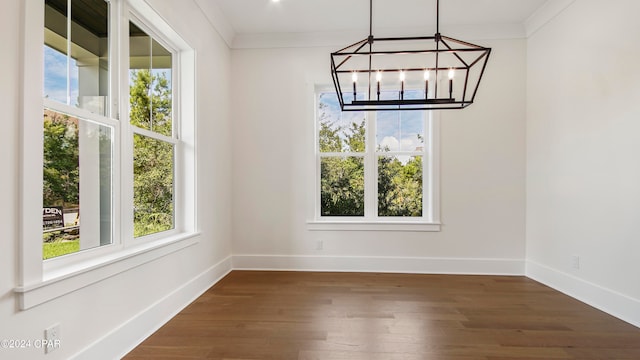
x=408 y=73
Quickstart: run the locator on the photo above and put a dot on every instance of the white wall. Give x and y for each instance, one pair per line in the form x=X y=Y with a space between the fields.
x=104 y=319
x=582 y=197
x=583 y=146
x=482 y=178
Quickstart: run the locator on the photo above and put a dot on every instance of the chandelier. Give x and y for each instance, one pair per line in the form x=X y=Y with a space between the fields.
x=408 y=73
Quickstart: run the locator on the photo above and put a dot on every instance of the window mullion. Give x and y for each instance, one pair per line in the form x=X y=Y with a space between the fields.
x=115 y=11
x=427 y=171
x=154 y=135
x=68 y=50
x=318 y=183
x=432 y=168
x=371 y=169
x=114 y=111
x=126 y=173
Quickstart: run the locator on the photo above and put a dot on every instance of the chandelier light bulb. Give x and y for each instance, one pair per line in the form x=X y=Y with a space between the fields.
x=451 y=74
x=379 y=76
x=354 y=77
x=402 y=77
x=426 y=84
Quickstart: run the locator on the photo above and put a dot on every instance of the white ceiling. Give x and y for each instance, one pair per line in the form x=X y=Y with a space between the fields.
x=260 y=18
x=289 y=16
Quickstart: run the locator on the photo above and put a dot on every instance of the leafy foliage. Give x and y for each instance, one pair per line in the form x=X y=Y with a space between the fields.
x=61 y=174
x=153 y=159
x=150 y=100
x=399 y=186
x=328 y=135
x=342 y=177
x=342 y=186
x=152 y=185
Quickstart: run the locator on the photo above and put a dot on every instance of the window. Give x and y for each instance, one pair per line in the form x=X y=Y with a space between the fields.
x=108 y=143
x=78 y=132
x=375 y=167
x=154 y=140
x=77 y=174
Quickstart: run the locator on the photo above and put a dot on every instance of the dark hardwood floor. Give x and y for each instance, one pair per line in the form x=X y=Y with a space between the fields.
x=364 y=316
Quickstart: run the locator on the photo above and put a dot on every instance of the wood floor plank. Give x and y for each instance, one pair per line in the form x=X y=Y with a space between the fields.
x=338 y=316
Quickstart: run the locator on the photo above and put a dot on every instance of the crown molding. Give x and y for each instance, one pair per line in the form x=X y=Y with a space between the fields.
x=343 y=38
x=218 y=20
x=547 y=12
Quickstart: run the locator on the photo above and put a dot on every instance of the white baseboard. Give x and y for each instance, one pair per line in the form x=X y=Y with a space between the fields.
x=416 y=265
x=126 y=337
x=616 y=304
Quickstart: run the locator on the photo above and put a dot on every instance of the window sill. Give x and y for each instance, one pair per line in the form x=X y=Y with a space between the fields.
x=350 y=225
x=63 y=281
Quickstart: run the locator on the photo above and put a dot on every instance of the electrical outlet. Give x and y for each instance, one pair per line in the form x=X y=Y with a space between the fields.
x=575 y=262
x=319 y=245
x=52 y=338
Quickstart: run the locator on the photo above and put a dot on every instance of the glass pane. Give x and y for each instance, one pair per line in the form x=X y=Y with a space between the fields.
x=161 y=65
x=77 y=172
x=400 y=185
x=55 y=76
x=150 y=83
x=153 y=169
x=56 y=66
x=340 y=131
x=342 y=186
x=76 y=65
x=400 y=130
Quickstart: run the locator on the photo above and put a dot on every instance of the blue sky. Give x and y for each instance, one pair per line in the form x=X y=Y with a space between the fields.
x=55 y=77
x=395 y=129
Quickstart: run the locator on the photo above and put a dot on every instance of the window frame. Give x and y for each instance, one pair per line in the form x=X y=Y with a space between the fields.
x=371 y=221
x=42 y=280
x=174 y=139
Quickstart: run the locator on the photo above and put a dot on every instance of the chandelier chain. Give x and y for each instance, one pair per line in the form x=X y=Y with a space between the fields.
x=437 y=16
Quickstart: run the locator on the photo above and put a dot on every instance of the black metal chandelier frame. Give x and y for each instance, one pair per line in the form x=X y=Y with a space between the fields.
x=437 y=55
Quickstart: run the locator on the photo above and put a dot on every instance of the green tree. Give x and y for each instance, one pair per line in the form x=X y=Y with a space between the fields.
x=342 y=186
x=329 y=138
x=342 y=178
x=60 y=160
x=355 y=139
x=399 y=186
x=153 y=160
x=150 y=100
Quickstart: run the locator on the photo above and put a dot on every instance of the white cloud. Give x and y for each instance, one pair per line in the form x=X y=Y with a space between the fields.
x=390 y=142
x=406 y=144
x=411 y=143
